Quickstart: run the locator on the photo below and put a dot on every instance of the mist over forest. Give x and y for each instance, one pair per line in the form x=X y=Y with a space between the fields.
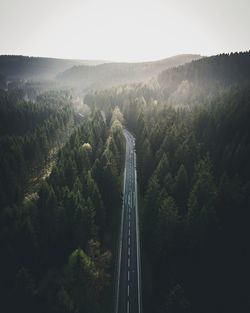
x=70 y=133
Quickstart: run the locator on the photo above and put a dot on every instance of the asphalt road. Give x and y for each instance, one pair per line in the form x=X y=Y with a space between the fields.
x=128 y=280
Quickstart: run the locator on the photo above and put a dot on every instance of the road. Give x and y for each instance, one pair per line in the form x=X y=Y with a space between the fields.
x=128 y=277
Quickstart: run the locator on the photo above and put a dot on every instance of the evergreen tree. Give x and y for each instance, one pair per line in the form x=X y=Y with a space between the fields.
x=181 y=189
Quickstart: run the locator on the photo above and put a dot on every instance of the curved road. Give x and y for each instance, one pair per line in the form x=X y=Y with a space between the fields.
x=128 y=279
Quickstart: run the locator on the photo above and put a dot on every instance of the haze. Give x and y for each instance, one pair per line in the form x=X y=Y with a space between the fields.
x=123 y=30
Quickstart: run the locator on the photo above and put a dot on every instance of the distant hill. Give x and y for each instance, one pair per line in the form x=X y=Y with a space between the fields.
x=205 y=76
x=110 y=74
x=23 y=67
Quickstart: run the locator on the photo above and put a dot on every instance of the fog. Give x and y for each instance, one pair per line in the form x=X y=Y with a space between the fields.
x=123 y=30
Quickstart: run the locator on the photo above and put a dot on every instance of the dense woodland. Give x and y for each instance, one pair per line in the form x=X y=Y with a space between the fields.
x=29 y=132
x=194 y=177
x=58 y=242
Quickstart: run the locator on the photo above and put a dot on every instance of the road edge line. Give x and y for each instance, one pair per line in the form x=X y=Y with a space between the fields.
x=138 y=240
x=120 y=239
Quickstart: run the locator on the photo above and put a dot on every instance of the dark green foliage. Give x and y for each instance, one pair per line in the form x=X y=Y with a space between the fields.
x=56 y=244
x=80 y=288
x=192 y=146
x=176 y=301
x=188 y=225
x=207 y=76
x=181 y=188
x=192 y=131
x=3 y=82
x=29 y=132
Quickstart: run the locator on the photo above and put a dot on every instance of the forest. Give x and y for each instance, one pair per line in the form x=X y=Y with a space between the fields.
x=58 y=236
x=194 y=178
x=57 y=242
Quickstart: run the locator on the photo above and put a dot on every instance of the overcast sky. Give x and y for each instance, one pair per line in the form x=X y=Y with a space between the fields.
x=123 y=30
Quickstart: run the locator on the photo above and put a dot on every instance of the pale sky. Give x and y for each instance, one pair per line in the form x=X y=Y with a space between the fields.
x=123 y=30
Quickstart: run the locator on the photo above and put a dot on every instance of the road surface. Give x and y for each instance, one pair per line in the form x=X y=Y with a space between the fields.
x=128 y=277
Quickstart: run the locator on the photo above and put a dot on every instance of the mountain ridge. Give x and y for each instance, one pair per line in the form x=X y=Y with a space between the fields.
x=116 y=73
x=29 y=67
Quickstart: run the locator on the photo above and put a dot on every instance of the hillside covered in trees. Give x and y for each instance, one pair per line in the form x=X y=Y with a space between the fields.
x=23 y=67
x=206 y=77
x=113 y=74
x=29 y=134
x=194 y=175
x=35 y=75
x=61 y=174
x=57 y=242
